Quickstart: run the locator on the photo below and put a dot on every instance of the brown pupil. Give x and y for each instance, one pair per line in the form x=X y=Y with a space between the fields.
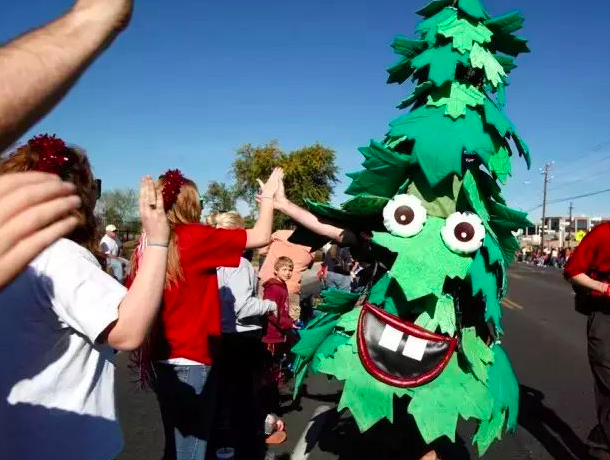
x=464 y=232
x=404 y=215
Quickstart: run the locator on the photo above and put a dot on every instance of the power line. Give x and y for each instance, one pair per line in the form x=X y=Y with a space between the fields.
x=591 y=151
x=577 y=197
x=580 y=179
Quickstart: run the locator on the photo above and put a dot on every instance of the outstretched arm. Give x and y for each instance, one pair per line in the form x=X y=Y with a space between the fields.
x=310 y=221
x=38 y=68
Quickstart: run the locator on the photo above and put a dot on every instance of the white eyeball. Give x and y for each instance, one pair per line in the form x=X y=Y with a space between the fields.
x=463 y=233
x=404 y=215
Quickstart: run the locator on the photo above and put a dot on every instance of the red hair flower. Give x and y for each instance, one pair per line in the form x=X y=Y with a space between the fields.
x=53 y=155
x=173 y=181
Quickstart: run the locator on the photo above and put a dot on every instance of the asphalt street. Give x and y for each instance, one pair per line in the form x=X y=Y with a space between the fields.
x=546 y=341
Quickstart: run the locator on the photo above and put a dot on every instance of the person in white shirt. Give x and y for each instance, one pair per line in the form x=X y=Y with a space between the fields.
x=62 y=320
x=109 y=243
x=111 y=247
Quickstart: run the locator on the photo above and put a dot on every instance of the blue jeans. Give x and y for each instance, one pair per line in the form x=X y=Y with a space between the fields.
x=187 y=400
x=338 y=281
x=117 y=269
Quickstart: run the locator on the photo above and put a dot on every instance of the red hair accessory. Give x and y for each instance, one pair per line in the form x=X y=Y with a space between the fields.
x=53 y=155
x=173 y=181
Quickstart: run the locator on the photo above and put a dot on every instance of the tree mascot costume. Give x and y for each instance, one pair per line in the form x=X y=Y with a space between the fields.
x=426 y=330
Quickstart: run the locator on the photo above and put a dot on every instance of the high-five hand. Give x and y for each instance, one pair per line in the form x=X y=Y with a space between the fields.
x=152 y=213
x=34 y=212
x=270 y=188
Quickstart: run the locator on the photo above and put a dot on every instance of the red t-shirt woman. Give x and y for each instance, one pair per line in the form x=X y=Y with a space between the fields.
x=183 y=347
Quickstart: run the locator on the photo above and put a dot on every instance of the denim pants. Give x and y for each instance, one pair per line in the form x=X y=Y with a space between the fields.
x=338 y=281
x=117 y=269
x=187 y=396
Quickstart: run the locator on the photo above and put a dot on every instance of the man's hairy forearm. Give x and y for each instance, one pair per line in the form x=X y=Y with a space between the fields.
x=38 y=68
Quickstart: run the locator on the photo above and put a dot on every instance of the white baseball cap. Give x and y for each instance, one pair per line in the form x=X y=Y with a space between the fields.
x=110 y=228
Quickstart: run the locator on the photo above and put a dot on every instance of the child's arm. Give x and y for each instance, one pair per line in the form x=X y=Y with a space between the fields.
x=246 y=305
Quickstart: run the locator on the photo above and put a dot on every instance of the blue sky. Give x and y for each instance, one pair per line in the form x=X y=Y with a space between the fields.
x=191 y=81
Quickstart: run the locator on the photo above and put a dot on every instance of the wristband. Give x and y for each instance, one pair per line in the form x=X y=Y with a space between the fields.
x=159 y=245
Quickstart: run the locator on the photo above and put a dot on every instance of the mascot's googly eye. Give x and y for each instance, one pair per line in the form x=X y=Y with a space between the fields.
x=463 y=233
x=404 y=215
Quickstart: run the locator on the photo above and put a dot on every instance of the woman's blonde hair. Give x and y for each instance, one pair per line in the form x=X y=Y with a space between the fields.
x=186 y=210
x=229 y=220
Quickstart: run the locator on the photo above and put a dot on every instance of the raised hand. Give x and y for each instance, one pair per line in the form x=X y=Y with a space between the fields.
x=116 y=13
x=34 y=213
x=152 y=213
x=270 y=188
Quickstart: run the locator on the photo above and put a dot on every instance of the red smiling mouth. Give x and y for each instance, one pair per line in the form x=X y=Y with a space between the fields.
x=400 y=353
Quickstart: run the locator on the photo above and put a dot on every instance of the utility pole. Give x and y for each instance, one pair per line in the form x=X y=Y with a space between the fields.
x=570 y=227
x=545 y=172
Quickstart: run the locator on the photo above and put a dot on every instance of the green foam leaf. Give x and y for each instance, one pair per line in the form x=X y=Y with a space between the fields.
x=500 y=164
x=478 y=354
x=503 y=385
x=434 y=7
x=496 y=118
x=442 y=63
x=480 y=58
x=385 y=172
x=441 y=156
x=460 y=97
x=407 y=47
x=429 y=28
x=439 y=201
x=507 y=62
x=439 y=314
x=328 y=348
x=523 y=149
x=509 y=44
x=507 y=23
x=336 y=301
x=464 y=34
x=488 y=431
x=473 y=8
x=312 y=337
x=474 y=197
x=502 y=216
x=419 y=93
x=349 y=321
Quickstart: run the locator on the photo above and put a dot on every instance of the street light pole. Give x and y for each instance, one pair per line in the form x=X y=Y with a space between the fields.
x=545 y=172
x=570 y=227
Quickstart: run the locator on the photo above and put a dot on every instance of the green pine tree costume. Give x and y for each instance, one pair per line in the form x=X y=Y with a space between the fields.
x=430 y=193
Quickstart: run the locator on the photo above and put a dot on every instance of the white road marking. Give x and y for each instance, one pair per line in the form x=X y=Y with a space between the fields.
x=311 y=434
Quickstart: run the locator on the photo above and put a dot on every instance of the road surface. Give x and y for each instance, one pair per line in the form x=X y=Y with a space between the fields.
x=545 y=339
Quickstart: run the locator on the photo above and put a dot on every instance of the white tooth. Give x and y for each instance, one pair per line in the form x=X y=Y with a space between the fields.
x=415 y=348
x=390 y=338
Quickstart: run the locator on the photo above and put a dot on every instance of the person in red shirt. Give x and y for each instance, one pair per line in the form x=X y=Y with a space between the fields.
x=588 y=269
x=186 y=340
x=279 y=324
